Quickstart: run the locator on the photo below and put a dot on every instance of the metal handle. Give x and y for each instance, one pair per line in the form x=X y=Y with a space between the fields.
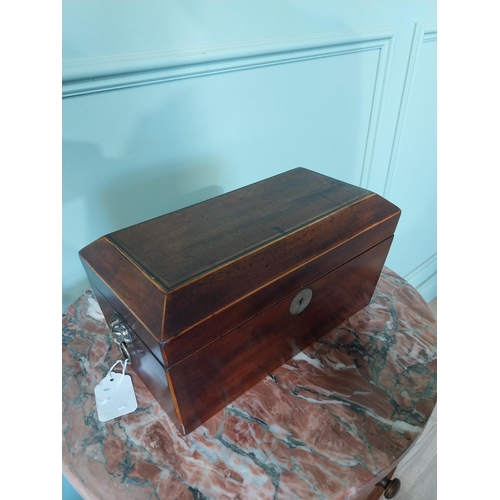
x=125 y=352
x=121 y=336
x=391 y=486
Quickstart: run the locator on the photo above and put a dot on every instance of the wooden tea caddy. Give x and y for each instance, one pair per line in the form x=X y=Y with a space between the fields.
x=210 y=299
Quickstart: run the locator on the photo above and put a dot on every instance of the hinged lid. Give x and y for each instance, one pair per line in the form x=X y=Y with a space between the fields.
x=177 y=270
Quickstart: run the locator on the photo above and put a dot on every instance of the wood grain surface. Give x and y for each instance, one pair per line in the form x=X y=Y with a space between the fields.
x=212 y=377
x=207 y=289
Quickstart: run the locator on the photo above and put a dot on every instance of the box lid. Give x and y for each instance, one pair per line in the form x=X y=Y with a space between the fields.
x=184 y=267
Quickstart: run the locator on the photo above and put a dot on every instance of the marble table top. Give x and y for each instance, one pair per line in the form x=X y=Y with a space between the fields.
x=328 y=424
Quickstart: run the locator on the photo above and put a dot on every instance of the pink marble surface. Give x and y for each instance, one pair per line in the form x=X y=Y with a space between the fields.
x=326 y=425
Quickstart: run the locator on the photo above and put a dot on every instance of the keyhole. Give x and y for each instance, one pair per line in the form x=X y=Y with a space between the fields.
x=301 y=301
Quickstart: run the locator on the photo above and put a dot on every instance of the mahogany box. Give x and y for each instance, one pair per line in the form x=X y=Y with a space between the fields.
x=210 y=299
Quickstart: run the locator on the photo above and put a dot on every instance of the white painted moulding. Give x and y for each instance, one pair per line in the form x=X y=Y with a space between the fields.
x=422 y=34
x=97 y=74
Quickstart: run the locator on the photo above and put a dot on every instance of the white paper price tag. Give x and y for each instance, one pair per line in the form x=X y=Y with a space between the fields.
x=115 y=395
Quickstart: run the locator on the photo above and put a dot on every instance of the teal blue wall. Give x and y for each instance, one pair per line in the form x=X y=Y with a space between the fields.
x=169 y=103
x=68 y=492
